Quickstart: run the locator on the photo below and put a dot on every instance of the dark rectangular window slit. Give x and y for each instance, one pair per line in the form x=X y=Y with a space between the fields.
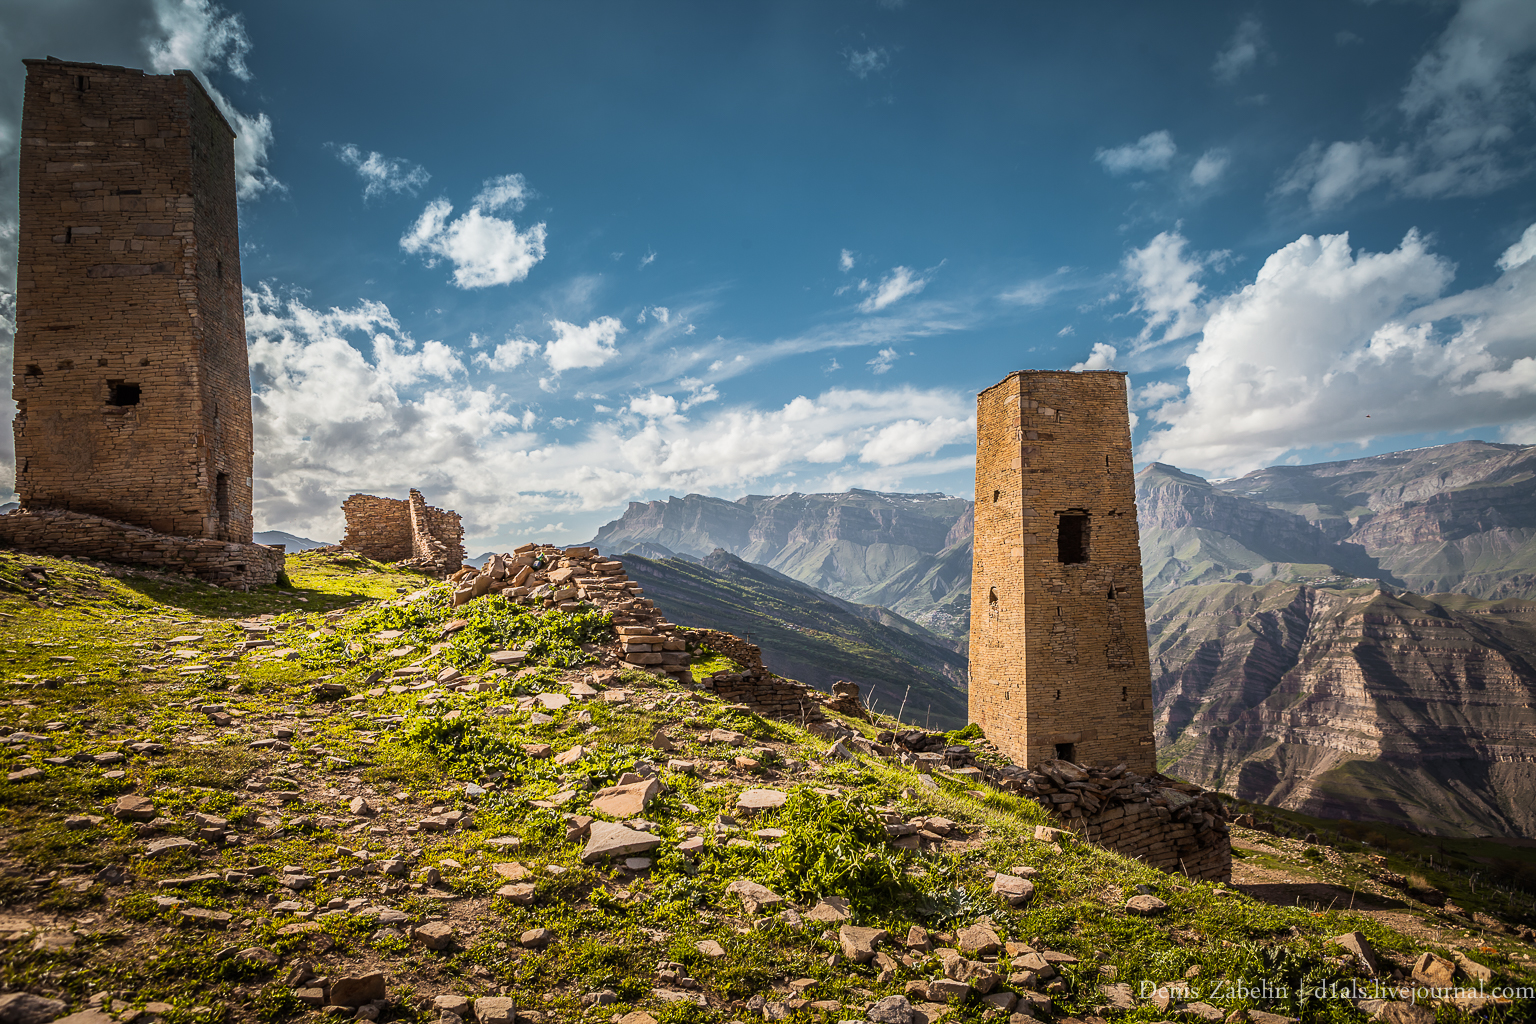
x=119 y=393
x=1072 y=531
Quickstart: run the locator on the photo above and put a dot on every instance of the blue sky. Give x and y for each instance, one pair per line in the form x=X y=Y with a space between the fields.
x=540 y=260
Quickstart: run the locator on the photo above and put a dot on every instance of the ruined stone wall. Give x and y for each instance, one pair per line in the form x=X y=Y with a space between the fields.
x=1058 y=652
x=82 y=535
x=755 y=687
x=390 y=530
x=1172 y=825
x=131 y=379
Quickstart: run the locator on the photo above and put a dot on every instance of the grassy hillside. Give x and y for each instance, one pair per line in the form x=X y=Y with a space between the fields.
x=412 y=835
x=811 y=636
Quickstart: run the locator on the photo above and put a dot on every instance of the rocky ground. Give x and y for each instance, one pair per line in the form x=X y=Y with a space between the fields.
x=349 y=797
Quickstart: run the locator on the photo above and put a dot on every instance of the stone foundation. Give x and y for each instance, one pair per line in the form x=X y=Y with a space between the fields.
x=411 y=532
x=82 y=535
x=1171 y=825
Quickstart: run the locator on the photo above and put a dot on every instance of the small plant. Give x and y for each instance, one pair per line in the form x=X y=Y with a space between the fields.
x=833 y=847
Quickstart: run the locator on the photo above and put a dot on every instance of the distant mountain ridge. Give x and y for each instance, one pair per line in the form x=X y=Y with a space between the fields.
x=288 y=540
x=812 y=636
x=907 y=552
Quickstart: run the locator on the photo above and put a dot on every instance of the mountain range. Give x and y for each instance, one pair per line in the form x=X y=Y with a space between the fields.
x=1295 y=660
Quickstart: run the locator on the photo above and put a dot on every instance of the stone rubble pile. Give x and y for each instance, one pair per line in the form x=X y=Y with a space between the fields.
x=542 y=575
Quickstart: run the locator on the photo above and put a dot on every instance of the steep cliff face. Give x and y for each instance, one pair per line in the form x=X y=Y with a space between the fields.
x=908 y=552
x=1356 y=704
x=1455 y=518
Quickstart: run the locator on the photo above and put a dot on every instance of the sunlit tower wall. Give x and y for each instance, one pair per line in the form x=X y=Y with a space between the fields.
x=131 y=376
x=1058 y=654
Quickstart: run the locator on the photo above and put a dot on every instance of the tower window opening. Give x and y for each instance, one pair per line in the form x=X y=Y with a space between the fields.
x=1072 y=538
x=119 y=393
x=995 y=496
x=33 y=370
x=992 y=595
x=1125 y=693
x=82 y=82
x=1058 y=695
x=1111 y=591
x=1066 y=752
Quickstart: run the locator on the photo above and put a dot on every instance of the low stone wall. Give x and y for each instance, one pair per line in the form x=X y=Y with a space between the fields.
x=409 y=531
x=82 y=535
x=756 y=687
x=1172 y=825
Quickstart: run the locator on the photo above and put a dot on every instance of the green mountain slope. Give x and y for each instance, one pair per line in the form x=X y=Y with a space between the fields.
x=811 y=636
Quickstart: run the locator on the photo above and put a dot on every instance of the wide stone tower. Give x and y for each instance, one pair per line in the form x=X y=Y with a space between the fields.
x=131 y=378
x=1058 y=653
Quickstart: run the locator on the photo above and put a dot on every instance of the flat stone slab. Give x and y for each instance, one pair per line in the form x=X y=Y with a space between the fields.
x=1145 y=905
x=1017 y=891
x=754 y=895
x=761 y=799
x=160 y=847
x=626 y=801
x=610 y=839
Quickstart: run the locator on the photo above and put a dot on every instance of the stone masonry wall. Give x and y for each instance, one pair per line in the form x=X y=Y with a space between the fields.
x=411 y=531
x=756 y=687
x=131 y=379
x=82 y=535
x=1058 y=653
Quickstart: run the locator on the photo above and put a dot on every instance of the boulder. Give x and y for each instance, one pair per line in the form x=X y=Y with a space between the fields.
x=133 y=807
x=1145 y=905
x=451 y=1003
x=831 y=910
x=434 y=935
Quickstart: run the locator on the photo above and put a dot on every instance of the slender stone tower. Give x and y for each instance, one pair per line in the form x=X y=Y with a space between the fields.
x=1058 y=654
x=131 y=378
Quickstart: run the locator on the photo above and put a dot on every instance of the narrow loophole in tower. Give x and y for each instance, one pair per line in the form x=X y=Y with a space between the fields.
x=120 y=393
x=221 y=502
x=1072 y=537
x=1066 y=752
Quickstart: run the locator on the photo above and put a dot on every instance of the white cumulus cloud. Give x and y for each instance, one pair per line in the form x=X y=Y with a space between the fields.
x=884 y=360
x=1521 y=252
x=484 y=249
x=1152 y=152
x=1209 y=168
x=1163 y=274
x=1325 y=336
x=509 y=355
x=577 y=347
x=1101 y=357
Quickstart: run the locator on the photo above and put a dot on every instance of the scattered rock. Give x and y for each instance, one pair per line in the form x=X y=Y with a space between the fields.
x=610 y=839
x=1433 y=971
x=711 y=949
x=978 y=940
x=1121 y=997
x=831 y=910
x=26 y=1008
x=454 y=1004
x=25 y=775
x=434 y=935
x=1358 y=946
x=1017 y=891
x=258 y=955
x=890 y=1010
x=1145 y=905
x=627 y=801
x=133 y=807
x=754 y=897
x=752 y=800
x=356 y=989
x=535 y=938
x=497 y=1010
x=859 y=944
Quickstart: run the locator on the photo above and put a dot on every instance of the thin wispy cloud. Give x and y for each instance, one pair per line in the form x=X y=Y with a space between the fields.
x=892 y=288
x=382 y=175
x=1241 y=52
x=864 y=63
x=883 y=361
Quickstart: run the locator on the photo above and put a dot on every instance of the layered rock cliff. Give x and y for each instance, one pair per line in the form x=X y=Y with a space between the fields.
x=1360 y=704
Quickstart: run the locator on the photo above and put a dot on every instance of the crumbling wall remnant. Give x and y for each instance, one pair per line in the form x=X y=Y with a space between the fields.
x=410 y=532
